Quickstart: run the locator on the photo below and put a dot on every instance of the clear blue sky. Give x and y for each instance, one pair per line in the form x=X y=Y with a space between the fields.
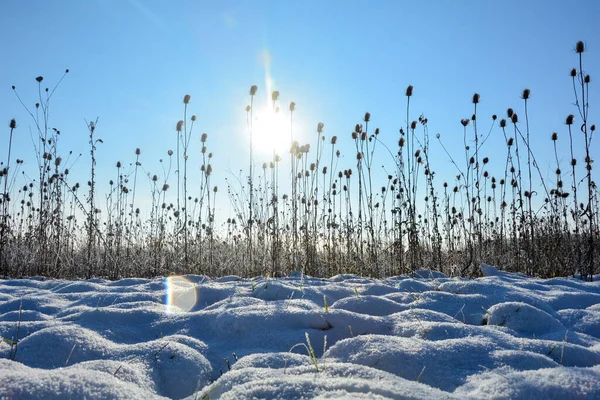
x=131 y=62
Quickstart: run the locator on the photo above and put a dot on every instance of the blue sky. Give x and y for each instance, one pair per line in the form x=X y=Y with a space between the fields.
x=132 y=61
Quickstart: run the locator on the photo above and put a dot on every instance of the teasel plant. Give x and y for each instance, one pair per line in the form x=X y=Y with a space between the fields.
x=582 y=103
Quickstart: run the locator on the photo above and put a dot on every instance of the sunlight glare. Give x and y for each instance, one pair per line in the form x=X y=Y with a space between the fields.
x=180 y=294
x=271 y=133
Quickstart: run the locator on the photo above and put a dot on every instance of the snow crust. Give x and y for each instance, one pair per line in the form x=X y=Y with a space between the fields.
x=504 y=336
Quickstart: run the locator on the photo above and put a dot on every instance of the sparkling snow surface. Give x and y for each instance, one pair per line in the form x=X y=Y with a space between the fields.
x=504 y=336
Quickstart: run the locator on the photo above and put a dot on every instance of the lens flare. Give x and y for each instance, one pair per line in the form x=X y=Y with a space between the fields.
x=180 y=294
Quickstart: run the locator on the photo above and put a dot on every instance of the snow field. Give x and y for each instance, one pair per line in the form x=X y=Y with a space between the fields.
x=428 y=336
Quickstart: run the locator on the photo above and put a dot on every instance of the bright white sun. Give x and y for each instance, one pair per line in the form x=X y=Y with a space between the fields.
x=271 y=132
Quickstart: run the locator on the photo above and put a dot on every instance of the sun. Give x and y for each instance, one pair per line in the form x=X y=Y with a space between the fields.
x=270 y=133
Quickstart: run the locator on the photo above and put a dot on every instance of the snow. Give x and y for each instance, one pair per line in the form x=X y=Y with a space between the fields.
x=502 y=336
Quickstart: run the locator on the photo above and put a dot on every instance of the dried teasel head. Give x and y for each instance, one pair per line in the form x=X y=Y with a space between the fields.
x=509 y=113
x=569 y=120
x=275 y=95
x=253 y=90
x=502 y=123
x=476 y=98
x=179 y=126
x=333 y=139
x=320 y=126
x=193 y=118
x=526 y=93
x=494 y=117
x=514 y=118
x=292 y=106
x=510 y=141
x=573 y=73
x=367 y=117
x=186 y=99
x=413 y=125
x=554 y=136
x=579 y=47
x=587 y=79
x=203 y=137
x=12 y=124
x=409 y=91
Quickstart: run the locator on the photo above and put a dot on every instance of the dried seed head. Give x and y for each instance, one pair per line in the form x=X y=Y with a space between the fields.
x=526 y=93
x=509 y=113
x=354 y=135
x=154 y=178
x=409 y=91
x=193 y=118
x=170 y=152
x=485 y=160
x=320 y=126
x=333 y=139
x=118 y=164
x=363 y=136
x=203 y=137
x=248 y=108
x=514 y=118
x=367 y=117
x=573 y=162
x=275 y=95
x=186 y=99
x=473 y=117
x=587 y=79
x=554 y=136
x=464 y=122
x=401 y=142
x=476 y=98
x=376 y=131
x=494 y=117
x=292 y=106
x=413 y=125
x=510 y=141
x=253 y=90
x=12 y=124
x=215 y=189
x=39 y=79
x=165 y=187
x=57 y=161
x=579 y=47
x=573 y=73
x=593 y=128
x=502 y=123
x=179 y=126
x=570 y=119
